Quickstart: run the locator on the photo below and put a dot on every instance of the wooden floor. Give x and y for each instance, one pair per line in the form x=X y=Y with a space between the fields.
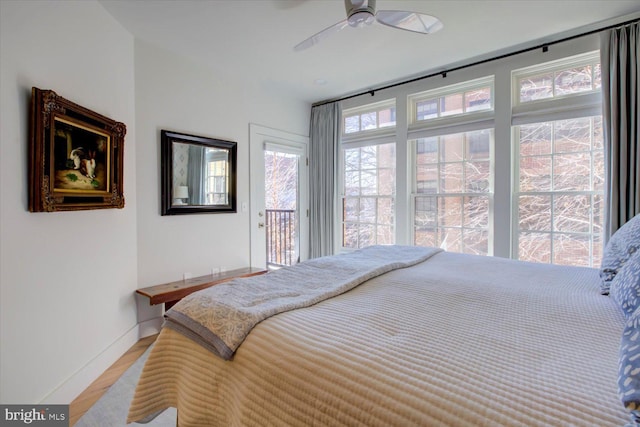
x=87 y=398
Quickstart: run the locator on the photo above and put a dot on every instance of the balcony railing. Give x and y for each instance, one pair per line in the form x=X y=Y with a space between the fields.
x=281 y=237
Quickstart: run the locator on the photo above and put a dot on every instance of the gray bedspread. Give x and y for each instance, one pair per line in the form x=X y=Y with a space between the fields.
x=458 y=340
x=220 y=317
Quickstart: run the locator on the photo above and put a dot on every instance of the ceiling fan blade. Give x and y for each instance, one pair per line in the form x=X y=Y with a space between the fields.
x=410 y=21
x=316 y=38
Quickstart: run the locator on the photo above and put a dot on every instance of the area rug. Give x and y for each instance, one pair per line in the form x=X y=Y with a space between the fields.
x=112 y=408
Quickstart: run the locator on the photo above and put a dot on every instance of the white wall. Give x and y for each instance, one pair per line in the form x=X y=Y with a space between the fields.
x=177 y=94
x=66 y=279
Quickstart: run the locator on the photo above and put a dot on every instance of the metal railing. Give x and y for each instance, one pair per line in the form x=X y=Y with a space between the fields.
x=281 y=237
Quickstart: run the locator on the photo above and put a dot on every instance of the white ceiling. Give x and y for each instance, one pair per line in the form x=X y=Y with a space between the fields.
x=254 y=39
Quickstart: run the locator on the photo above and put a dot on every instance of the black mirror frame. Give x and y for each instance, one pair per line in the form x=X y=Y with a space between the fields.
x=167 y=139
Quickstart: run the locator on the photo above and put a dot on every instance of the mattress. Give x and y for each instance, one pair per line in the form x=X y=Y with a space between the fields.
x=457 y=340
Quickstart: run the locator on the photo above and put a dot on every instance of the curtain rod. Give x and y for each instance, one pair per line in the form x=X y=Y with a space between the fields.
x=544 y=47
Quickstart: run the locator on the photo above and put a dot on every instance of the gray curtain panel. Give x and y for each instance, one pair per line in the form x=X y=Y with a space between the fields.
x=195 y=175
x=619 y=52
x=323 y=150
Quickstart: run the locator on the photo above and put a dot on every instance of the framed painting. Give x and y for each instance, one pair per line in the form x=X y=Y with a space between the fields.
x=75 y=156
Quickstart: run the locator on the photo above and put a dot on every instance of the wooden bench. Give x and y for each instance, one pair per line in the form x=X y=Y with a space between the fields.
x=170 y=293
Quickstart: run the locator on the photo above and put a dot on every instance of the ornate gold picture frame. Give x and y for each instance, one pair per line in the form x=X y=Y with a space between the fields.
x=75 y=156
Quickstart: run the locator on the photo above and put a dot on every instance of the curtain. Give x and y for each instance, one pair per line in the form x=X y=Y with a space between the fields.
x=619 y=51
x=323 y=149
x=195 y=175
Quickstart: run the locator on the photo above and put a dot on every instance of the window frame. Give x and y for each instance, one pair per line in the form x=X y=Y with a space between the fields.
x=563 y=64
x=363 y=138
x=454 y=119
x=217 y=180
x=342 y=196
x=564 y=107
x=464 y=122
x=502 y=118
x=376 y=108
x=592 y=193
x=414 y=194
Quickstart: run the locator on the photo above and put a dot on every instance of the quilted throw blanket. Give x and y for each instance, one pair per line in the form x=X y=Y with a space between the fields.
x=220 y=317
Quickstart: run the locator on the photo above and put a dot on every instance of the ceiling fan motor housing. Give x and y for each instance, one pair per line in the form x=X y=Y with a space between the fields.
x=360 y=12
x=363 y=12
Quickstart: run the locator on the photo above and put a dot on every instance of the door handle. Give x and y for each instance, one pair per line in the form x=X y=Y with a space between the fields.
x=261 y=225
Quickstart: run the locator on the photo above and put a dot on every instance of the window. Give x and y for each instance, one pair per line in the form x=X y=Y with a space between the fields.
x=452 y=184
x=368 y=202
x=454 y=100
x=579 y=75
x=372 y=117
x=511 y=167
x=281 y=197
x=451 y=131
x=216 y=188
x=559 y=192
x=368 y=175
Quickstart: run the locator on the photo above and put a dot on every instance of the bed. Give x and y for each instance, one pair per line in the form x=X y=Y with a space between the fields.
x=452 y=339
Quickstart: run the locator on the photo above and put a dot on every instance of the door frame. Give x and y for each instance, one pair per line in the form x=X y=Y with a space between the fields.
x=258 y=136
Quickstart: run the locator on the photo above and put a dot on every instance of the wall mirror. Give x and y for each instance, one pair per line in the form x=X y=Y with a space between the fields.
x=198 y=174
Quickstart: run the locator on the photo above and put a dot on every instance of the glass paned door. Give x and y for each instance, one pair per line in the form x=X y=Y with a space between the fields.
x=282 y=207
x=279 y=197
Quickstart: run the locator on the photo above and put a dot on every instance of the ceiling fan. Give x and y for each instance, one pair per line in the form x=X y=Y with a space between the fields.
x=363 y=12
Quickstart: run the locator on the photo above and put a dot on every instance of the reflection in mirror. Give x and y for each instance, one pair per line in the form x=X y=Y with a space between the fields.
x=198 y=174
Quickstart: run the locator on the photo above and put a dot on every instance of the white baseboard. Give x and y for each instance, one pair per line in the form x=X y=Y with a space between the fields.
x=83 y=378
x=150 y=327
